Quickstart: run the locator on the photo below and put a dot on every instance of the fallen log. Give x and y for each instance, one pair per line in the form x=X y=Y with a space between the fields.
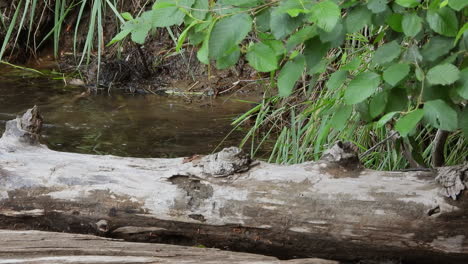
x=48 y=247
x=332 y=208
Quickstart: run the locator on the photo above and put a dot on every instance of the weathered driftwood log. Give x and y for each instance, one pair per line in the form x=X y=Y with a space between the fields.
x=48 y=247
x=332 y=208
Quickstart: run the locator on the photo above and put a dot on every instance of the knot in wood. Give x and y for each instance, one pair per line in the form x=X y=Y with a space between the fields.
x=32 y=121
x=344 y=153
x=102 y=226
x=226 y=162
x=25 y=129
x=452 y=180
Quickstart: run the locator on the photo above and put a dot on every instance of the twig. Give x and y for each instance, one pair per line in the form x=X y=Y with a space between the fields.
x=192 y=86
x=437 y=153
x=367 y=152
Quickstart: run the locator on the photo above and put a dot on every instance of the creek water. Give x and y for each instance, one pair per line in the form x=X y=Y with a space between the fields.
x=116 y=123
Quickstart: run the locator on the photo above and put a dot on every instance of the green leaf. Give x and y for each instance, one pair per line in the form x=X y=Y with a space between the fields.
x=457 y=4
x=228 y=32
x=377 y=104
x=397 y=101
x=353 y=65
x=408 y=3
x=462 y=84
x=411 y=24
x=242 y=3
x=441 y=115
x=165 y=13
x=127 y=16
x=286 y=5
x=363 y=110
x=357 y=18
x=196 y=38
x=202 y=53
x=395 y=21
x=282 y=24
x=314 y=51
x=226 y=7
x=262 y=58
x=408 y=122
x=294 y=12
x=140 y=33
x=122 y=34
x=200 y=9
x=289 y=74
x=463 y=121
x=229 y=59
x=460 y=33
x=319 y=68
x=301 y=36
x=379 y=19
x=387 y=53
x=335 y=37
x=419 y=74
x=336 y=79
x=436 y=47
x=361 y=87
x=443 y=74
x=443 y=21
x=262 y=20
x=341 y=117
x=138 y=28
x=377 y=6
x=163 y=4
x=276 y=45
x=434 y=92
x=183 y=35
x=326 y=14
x=384 y=119
x=395 y=73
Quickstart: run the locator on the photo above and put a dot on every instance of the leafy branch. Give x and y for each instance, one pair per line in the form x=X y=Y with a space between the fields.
x=398 y=63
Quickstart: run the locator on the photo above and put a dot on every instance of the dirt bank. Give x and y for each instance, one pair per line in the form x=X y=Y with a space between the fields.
x=149 y=68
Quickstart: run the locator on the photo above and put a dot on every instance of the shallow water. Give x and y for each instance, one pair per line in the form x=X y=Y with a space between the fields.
x=119 y=124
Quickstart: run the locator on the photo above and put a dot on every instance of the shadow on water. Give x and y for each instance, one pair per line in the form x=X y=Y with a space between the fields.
x=118 y=124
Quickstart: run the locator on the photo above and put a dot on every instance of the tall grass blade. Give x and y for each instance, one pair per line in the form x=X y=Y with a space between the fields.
x=54 y=29
x=31 y=20
x=100 y=38
x=21 y=23
x=78 y=20
x=10 y=30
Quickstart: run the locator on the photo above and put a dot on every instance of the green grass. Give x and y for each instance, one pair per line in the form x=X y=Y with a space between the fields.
x=304 y=136
x=28 y=13
x=300 y=128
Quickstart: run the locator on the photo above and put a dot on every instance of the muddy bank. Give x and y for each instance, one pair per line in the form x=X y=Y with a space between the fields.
x=155 y=67
x=149 y=68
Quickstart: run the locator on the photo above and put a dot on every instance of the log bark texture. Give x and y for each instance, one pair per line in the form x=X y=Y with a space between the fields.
x=33 y=247
x=332 y=208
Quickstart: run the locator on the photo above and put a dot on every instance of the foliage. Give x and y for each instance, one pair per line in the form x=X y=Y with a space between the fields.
x=400 y=64
x=352 y=69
